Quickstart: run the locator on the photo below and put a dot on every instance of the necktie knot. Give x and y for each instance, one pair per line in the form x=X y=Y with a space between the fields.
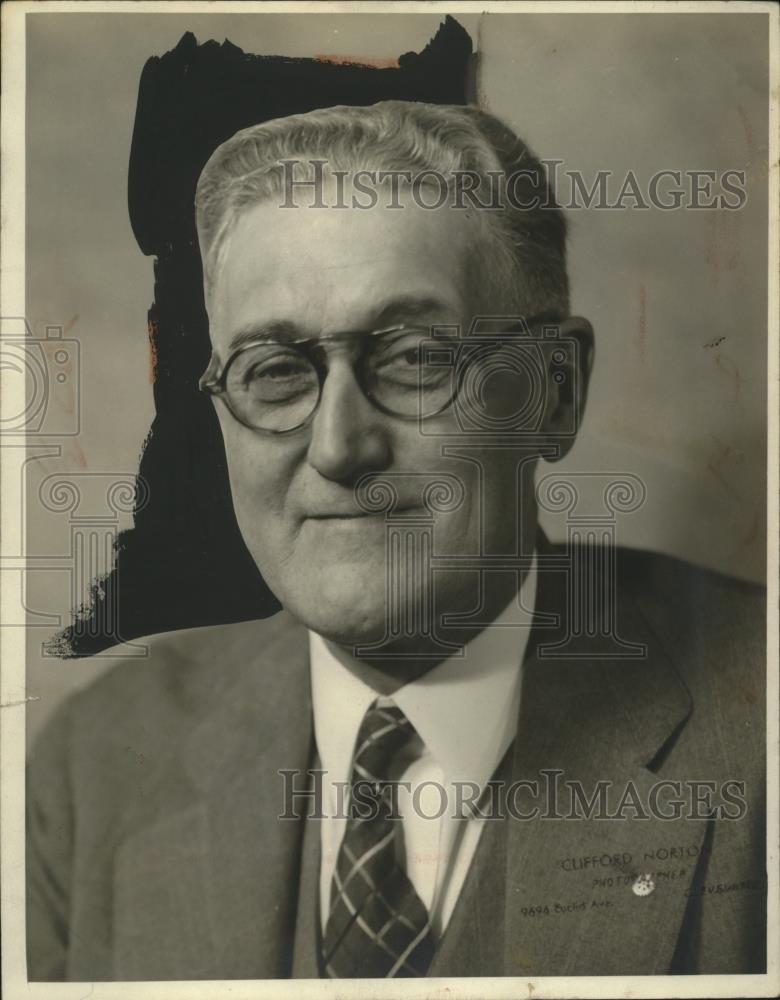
x=382 y=735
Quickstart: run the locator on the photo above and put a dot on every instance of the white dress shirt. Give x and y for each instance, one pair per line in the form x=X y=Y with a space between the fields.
x=465 y=713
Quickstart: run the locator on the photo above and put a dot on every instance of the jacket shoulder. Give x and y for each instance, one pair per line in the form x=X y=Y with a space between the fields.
x=169 y=687
x=684 y=600
x=712 y=627
x=646 y=572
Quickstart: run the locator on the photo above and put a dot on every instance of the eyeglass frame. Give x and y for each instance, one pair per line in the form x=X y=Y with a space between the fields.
x=216 y=385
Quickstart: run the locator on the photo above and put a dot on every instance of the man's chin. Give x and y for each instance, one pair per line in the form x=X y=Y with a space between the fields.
x=348 y=616
x=345 y=630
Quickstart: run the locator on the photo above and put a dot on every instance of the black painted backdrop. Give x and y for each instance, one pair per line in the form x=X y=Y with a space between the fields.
x=184 y=564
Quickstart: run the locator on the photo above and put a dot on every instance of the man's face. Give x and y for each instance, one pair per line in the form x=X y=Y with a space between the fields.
x=323 y=271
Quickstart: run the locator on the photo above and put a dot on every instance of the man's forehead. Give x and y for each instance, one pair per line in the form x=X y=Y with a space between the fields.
x=301 y=229
x=344 y=267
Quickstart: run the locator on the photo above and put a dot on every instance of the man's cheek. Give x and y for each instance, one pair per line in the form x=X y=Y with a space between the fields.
x=248 y=470
x=259 y=500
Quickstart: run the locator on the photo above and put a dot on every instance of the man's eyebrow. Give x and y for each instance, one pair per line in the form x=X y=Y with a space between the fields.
x=410 y=307
x=283 y=330
x=398 y=310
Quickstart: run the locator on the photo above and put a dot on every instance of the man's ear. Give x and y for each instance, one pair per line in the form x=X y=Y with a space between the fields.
x=569 y=361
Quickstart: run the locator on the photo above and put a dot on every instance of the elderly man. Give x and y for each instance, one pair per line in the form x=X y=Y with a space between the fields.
x=426 y=764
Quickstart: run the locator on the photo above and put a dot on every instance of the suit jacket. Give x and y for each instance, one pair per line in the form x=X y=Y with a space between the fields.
x=155 y=850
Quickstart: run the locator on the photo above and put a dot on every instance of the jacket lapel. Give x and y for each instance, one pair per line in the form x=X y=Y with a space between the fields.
x=215 y=879
x=594 y=721
x=473 y=941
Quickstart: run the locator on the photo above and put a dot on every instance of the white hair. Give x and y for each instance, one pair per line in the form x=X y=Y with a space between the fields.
x=525 y=268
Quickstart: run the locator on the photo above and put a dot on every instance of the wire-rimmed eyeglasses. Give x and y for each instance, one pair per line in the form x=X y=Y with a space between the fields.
x=275 y=386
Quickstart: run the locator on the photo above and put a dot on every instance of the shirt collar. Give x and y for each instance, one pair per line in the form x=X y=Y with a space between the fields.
x=465 y=709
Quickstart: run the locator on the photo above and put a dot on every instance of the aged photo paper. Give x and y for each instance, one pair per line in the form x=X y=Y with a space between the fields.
x=389 y=439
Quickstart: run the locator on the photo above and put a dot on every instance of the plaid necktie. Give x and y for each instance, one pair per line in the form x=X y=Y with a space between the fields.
x=377 y=925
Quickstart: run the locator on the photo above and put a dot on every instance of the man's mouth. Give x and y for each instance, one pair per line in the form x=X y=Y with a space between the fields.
x=357 y=515
x=352 y=516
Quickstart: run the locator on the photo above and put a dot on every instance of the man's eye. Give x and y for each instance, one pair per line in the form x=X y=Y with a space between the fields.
x=279 y=378
x=277 y=371
x=407 y=363
x=408 y=357
x=401 y=366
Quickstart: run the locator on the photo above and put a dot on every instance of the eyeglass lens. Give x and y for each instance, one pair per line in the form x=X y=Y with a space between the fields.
x=276 y=387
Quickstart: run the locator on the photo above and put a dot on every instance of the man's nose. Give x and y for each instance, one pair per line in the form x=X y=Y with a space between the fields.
x=348 y=433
